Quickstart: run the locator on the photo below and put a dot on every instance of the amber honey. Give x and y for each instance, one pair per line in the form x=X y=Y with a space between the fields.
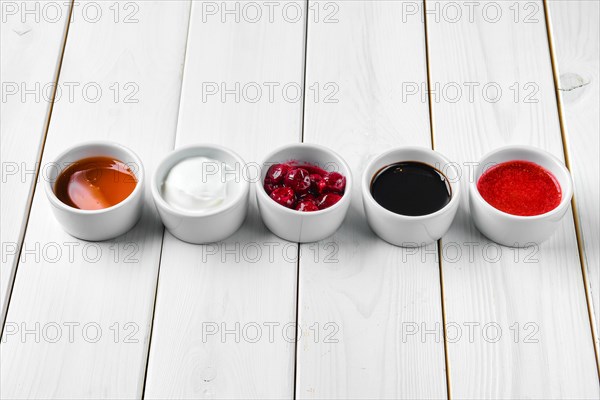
x=95 y=183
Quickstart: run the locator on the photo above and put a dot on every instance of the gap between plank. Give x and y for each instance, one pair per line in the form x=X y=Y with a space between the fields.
x=565 y=145
x=162 y=241
x=306 y=5
x=439 y=242
x=39 y=162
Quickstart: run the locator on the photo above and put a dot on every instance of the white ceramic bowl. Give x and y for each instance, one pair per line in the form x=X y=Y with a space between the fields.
x=513 y=230
x=107 y=223
x=209 y=226
x=404 y=230
x=298 y=226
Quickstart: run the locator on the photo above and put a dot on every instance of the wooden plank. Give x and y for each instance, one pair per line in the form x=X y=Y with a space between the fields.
x=80 y=314
x=575 y=31
x=364 y=305
x=31 y=47
x=536 y=292
x=245 y=284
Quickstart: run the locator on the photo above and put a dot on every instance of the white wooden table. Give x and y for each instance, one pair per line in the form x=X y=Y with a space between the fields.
x=149 y=316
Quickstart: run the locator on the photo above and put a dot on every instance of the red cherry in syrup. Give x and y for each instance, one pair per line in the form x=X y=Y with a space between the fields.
x=313 y=169
x=276 y=173
x=308 y=196
x=298 y=179
x=270 y=186
x=303 y=187
x=336 y=182
x=327 y=200
x=317 y=184
x=306 y=205
x=284 y=196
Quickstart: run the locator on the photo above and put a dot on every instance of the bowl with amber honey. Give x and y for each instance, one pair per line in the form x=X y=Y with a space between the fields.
x=96 y=190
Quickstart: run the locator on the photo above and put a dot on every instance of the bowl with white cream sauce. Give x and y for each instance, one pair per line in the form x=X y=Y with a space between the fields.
x=201 y=193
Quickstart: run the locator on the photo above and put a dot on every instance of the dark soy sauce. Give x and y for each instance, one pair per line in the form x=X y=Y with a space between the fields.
x=411 y=188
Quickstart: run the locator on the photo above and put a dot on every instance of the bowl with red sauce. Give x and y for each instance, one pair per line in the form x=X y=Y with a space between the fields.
x=519 y=195
x=303 y=192
x=96 y=190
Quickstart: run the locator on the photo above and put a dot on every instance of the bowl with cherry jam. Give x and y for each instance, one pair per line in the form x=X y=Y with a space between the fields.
x=303 y=192
x=96 y=190
x=519 y=195
x=410 y=195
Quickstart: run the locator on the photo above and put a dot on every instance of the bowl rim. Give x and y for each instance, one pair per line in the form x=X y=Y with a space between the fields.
x=260 y=190
x=140 y=176
x=567 y=193
x=161 y=202
x=368 y=196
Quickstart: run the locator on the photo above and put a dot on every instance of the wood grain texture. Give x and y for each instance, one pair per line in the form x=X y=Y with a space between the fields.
x=73 y=293
x=364 y=305
x=575 y=28
x=541 y=288
x=245 y=284
x=31 y=48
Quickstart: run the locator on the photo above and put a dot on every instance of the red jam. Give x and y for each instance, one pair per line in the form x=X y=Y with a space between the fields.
x=304 y=187
x=520 y=188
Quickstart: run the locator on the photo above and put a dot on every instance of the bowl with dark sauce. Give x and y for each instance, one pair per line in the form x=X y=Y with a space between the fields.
x=96 y=190
x=410 y=195
x=519 y=195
